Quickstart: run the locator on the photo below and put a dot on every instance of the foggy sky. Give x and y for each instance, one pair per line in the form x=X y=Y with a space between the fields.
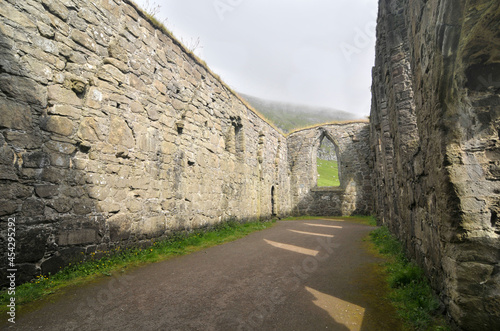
x=315 y=52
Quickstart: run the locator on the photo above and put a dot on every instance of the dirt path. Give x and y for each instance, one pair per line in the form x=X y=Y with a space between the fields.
x=298 y=275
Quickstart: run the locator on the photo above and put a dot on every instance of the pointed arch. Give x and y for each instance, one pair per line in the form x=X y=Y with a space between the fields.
x=327 y=161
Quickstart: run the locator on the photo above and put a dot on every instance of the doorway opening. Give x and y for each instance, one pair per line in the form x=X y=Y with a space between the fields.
x=273 y=202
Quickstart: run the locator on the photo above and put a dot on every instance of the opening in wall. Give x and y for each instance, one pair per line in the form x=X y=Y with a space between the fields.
x=273 y=202
x=327 y=163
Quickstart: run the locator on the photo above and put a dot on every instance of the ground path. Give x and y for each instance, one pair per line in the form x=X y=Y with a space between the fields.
x=297 y=275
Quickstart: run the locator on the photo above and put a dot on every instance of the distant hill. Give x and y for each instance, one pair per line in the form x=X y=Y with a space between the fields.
x=289 y=116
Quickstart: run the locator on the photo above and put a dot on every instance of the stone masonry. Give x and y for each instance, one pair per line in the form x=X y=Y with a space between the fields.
x=354 y=196
x=435 y=146
x=113 y=135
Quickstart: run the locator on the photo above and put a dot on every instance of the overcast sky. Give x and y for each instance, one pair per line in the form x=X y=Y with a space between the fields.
x=314 y=52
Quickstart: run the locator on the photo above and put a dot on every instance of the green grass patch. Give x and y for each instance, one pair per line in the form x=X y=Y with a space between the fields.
x=365 y=220
x=120 y=261
x=410 y=292
x=328 y=173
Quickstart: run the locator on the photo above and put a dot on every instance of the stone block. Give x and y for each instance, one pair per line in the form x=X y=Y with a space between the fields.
x=45 y=30
x=14 y=15
x=58 y=94
x=35 y=160
x=57 y=8
x=118 y=64
x=33 y=207
x=120 y=133
x=47 y=191
x=65 y=110
x=77 y=237
x=136 y=107
x=8 y=207
x=52 y=265
x=31 y=244
x=115 y=50
x=14 y=115
x=23 y=90
x=61 y=147
x=84 y=40
x=119 y=227
x=89 y=130
x=60 y=125
x=83 y=207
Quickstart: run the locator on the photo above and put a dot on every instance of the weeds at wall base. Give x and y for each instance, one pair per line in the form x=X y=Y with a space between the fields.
x=119 y=261
x=410 y=291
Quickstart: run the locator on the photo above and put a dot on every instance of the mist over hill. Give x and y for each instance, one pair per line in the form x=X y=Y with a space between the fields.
x=289 y=116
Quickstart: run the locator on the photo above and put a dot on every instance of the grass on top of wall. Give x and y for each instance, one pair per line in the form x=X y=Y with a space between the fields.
x=120 y=261
x=410 y=291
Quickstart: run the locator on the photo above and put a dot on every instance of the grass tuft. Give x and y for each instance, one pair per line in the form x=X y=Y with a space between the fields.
x=410 y=292
x=118 y=261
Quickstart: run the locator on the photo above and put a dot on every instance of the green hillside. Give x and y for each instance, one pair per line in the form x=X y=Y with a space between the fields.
x=288 y=116
x=328 y=173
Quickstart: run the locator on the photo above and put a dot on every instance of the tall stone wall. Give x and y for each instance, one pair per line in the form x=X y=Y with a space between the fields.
x=354 y=195
x=435 y=141
x=112 y=134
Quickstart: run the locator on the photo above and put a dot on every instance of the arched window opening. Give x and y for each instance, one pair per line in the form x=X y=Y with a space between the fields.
x=327 y=163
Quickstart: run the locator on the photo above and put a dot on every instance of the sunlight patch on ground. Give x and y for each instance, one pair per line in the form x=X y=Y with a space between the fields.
x=293 y=248
x=341 y=311
x=313 y=234
x=325 y=226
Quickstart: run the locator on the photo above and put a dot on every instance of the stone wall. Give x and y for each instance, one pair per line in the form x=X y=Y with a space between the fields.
x=112 y=134
x=354 y=195
x=435 y=141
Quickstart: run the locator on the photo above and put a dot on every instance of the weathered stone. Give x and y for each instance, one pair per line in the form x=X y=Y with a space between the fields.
x=32 y=207
x=59 y=124
x=76 y=237
x=28 y=243
x=437 y=191
x=136 y=107
x=117 y=52
x=23 y=89
x=118 y=64
x=65 y=110
x=23 y=140
x=56 y=8
x=61 y=147
x=35 y=160
x=7 y=172
x=153 y=114
x=8 y=207
x=45 y=30
x=60 y=95
x=84 y=39
x=119 y=227
x=12 y=14
x=14 y=115
x=120 y=133
x=46 y=191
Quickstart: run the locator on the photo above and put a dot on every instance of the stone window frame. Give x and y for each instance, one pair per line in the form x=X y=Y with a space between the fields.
x=324 y=134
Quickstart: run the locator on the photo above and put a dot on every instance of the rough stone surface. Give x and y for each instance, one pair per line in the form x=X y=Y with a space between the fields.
x=111 y=134
x=435 y=142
